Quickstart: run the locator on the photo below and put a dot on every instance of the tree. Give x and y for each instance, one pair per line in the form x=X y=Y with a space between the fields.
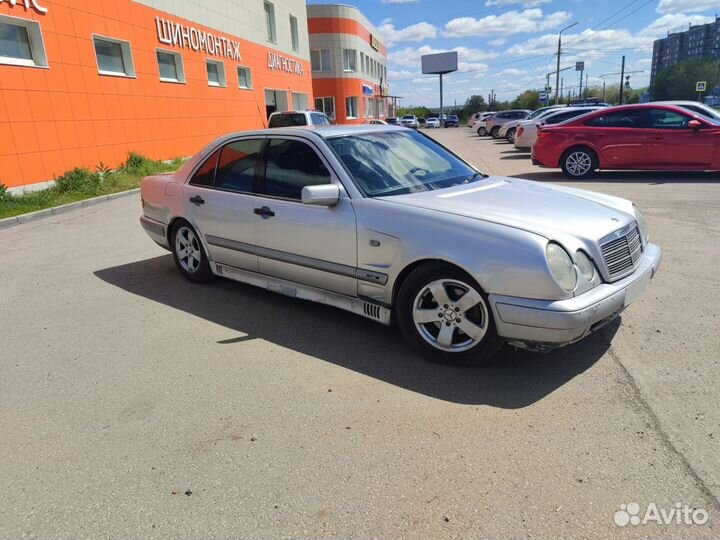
x=529 y=99
x=678 y=81
x=472 y=105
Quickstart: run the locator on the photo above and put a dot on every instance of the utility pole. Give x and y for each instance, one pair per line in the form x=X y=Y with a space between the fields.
x=559 y=52
x=586 y=83
x=581 y=78
x=603 y=89
x=562 y=82
x=622 y=81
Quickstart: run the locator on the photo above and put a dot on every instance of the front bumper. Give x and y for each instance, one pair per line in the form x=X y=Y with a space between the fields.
x=542 y=324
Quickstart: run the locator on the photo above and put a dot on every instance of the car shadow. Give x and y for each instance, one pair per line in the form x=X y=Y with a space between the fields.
x=516 y=156
x=627 y=177
x=515 y=379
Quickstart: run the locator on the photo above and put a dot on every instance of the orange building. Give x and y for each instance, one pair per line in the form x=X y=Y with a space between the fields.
x=349 y=64
x=86 y=81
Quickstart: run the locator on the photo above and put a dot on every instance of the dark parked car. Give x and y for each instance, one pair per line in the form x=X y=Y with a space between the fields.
x=452 y=121
x=647 y=136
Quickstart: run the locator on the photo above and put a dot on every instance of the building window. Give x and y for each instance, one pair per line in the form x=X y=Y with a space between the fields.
x=351 y=107
x=270 y=22
x=326 y=105
x=349 y=60
x=216 y=73
x=244 y=77
x=294 y=36
x=170 y=65
x=113 y=57
x=320 y=60
x=366 y=107
x=21 y=43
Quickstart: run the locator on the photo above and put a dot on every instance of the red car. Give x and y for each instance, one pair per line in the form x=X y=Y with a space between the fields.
x=647 y=136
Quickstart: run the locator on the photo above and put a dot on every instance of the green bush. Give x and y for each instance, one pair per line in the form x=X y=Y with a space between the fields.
x=3 y=192
x=78 y=180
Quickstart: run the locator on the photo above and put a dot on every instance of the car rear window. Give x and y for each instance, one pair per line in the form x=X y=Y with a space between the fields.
x=288 y=120
x=319 y=119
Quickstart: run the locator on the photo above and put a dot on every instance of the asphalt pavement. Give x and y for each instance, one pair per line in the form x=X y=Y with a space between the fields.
x=136 y=405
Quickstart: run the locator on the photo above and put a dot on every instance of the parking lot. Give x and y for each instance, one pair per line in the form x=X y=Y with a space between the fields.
x=135 y=404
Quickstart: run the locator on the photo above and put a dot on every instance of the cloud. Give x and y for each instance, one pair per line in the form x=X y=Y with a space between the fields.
x=508 y=23
x=523 y=3
x=415 y=32
x=589 y=43
x=498 y=41
x=673 y=22
x=680 y=6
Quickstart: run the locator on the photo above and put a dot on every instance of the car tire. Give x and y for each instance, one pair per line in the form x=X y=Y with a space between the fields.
x=494 y=132
x=445 y=340
x=189 y=254
x=482 y=132
x=510 y=135
x=579 y=162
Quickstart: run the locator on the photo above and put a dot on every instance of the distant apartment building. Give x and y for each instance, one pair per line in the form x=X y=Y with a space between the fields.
x=349 y=64
x=701 y=41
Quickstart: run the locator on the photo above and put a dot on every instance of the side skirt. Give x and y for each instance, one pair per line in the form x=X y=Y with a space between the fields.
x=365 y=309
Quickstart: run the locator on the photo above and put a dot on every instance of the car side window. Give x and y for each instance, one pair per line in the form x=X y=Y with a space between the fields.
x=623 y=119
x=236 y=167
x=291 y=165
x=662 y=119
x=205 y=175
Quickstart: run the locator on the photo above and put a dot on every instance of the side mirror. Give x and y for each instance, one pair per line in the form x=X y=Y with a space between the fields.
x=323 y=195
x=694 y=125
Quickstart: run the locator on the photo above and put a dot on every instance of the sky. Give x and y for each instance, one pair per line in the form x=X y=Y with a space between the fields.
x=510 y=45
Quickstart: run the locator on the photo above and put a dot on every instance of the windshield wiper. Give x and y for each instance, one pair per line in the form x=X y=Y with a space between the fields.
x=474 y=177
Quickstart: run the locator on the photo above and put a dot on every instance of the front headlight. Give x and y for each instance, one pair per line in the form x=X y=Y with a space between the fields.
x=642 y=225
x=585 y=265
x=561 y=266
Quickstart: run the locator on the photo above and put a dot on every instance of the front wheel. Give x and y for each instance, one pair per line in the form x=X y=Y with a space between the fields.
x=189 y=255
x=579 y=163
x=444 y=315
x=482 y=132
x=510 y=135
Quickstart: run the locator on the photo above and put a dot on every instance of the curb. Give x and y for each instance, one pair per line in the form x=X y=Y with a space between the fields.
x=48 y=212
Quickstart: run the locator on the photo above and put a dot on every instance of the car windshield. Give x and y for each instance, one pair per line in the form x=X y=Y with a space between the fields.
x=400 y=162
x=408 y=117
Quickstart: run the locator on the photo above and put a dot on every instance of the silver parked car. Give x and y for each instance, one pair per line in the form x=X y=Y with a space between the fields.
x=388 y=224
x=496 y=121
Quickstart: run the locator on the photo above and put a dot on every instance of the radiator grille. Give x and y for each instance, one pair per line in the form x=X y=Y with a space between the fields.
x=622 y=254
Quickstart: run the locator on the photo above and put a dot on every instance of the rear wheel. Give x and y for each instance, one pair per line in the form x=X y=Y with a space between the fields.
x=189 y=254
x=482 y=132
x=494 y=132
x=579 y=162
x=444 y=315
x=510 y=135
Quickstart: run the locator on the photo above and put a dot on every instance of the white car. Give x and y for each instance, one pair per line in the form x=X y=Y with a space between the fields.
x=526 y=133
x=432 y=123
x=410 y=120
x=480 y=123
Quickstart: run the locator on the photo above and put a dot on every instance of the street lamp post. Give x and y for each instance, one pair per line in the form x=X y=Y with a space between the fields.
x=557 y=76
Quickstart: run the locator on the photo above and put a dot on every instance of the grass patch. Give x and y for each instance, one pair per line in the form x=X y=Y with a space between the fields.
x=80 y=183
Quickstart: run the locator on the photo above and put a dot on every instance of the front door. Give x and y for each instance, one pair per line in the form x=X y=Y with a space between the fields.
x=219 y=201
x=673 y=144
x=313 y=245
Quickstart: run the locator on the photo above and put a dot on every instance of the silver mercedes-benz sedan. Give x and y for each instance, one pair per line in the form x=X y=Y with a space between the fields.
x=390 y=225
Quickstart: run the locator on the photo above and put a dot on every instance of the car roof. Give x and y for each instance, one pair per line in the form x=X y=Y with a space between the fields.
x=337 y=130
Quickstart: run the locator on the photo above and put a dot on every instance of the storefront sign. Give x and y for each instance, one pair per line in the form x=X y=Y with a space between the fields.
x=189 y=37
x=367 y=90
x=276 y=61
x=374 y=42
x=28 y=5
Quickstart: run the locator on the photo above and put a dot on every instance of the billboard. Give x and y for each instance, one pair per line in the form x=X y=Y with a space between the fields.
x=440 y=63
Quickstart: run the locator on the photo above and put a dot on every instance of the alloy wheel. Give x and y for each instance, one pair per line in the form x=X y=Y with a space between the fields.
x=578 y=163
x=450 y=315
x=187 y=249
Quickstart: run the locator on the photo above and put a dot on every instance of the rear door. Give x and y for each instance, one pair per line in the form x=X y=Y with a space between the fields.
x=620 y=138
x=218 y=201
x=673 y=144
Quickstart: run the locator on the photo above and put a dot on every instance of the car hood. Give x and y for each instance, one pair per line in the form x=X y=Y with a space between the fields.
x=555 y=212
